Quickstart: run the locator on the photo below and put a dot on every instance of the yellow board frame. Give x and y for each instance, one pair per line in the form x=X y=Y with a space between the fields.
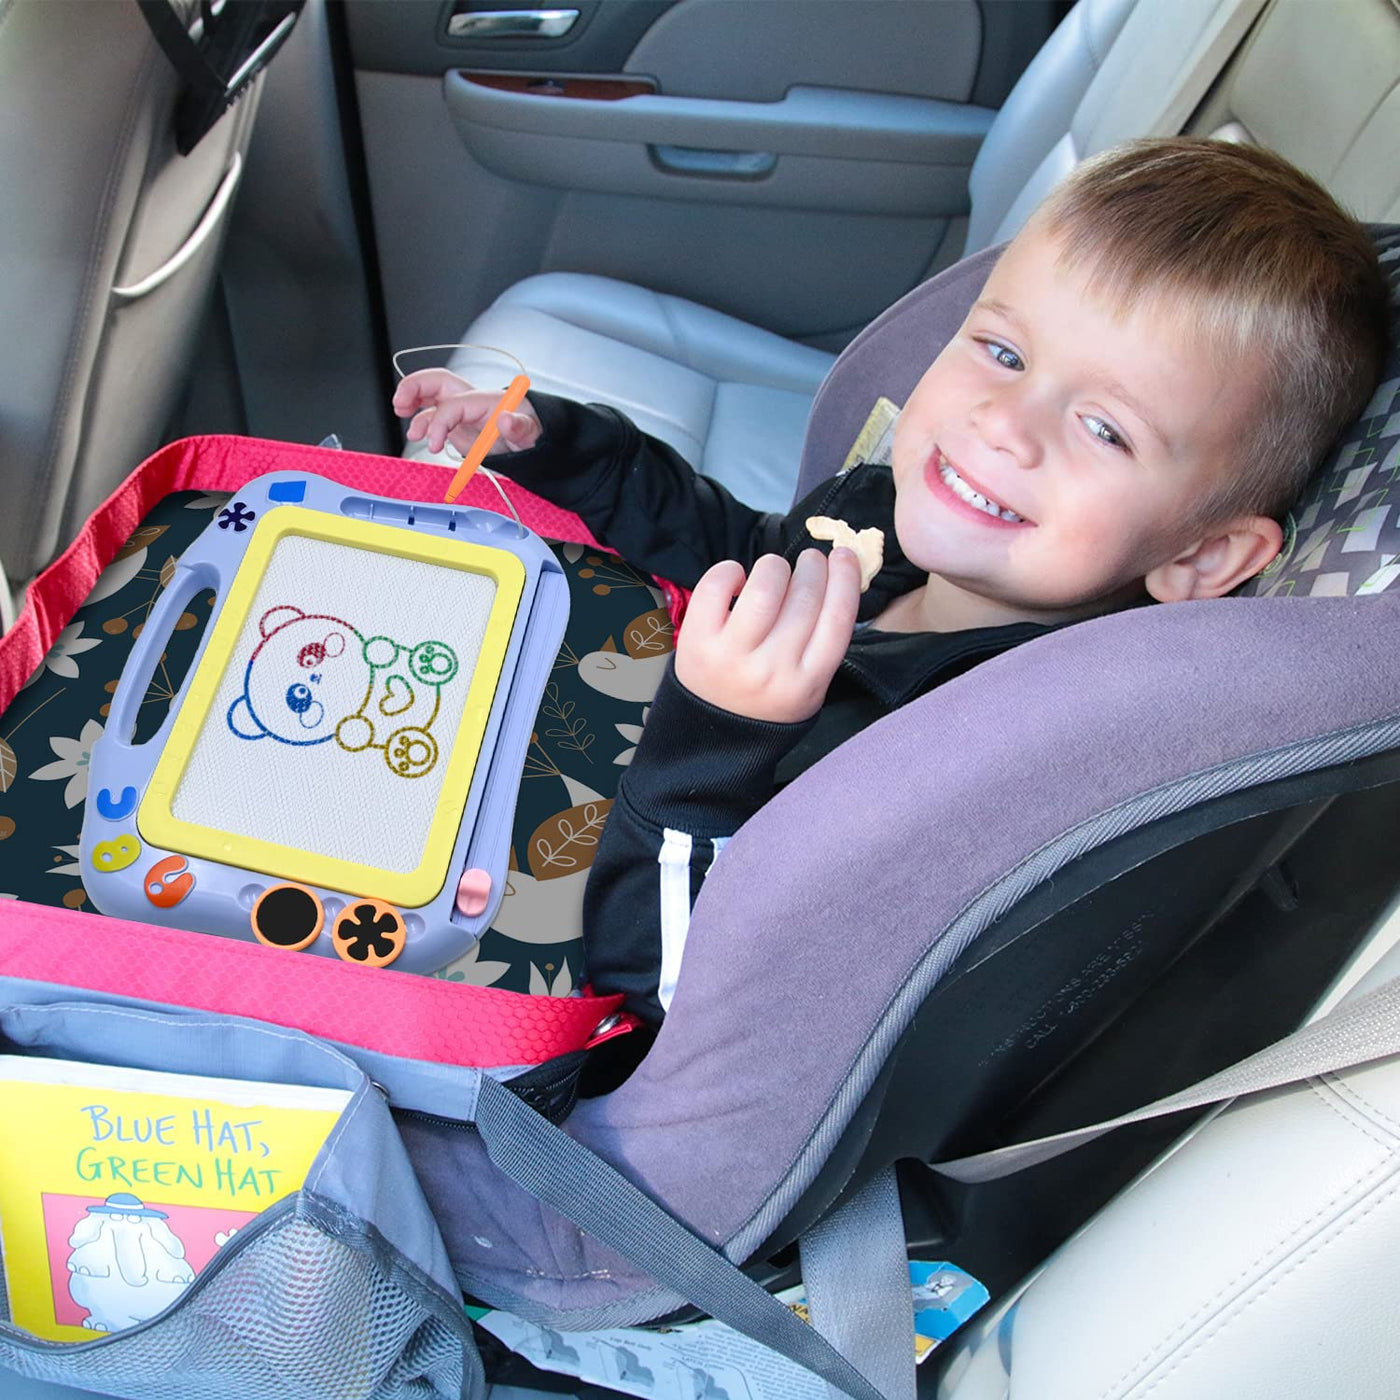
x=409 y=889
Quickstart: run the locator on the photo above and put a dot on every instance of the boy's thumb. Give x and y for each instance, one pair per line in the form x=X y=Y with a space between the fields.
x=516 y=429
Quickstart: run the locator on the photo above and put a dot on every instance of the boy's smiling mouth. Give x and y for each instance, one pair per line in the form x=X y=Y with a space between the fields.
x=969 y=495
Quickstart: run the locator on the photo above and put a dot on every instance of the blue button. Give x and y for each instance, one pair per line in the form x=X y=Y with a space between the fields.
x=289 y=491
x=115 y=808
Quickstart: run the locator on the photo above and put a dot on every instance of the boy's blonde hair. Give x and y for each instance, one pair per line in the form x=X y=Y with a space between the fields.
x=1264 y=262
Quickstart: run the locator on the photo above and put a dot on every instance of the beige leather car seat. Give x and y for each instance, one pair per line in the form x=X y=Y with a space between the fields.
x=733 y=398
x=109 y=241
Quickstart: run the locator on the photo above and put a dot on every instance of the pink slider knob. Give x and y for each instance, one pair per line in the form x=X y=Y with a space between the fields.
x=473 y=892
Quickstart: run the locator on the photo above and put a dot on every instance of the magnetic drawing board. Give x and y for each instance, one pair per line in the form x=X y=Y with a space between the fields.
x=332 y=728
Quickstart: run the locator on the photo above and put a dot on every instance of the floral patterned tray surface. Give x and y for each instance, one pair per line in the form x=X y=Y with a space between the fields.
x=618 y=640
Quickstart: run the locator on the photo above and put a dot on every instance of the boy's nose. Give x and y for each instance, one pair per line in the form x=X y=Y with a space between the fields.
x=1007 y=422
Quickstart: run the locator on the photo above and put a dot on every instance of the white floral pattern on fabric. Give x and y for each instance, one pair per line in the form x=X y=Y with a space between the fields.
x=562 y=984
x=73 y=868
x=70 y=643
x=72 y=762
x=632 y=733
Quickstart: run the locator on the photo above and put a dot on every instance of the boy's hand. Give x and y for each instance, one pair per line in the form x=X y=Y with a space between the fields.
x=446 y=408
x=773 y=655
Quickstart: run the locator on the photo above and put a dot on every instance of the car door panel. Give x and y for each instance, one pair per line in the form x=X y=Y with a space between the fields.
x=800 y=165
x=814 y=149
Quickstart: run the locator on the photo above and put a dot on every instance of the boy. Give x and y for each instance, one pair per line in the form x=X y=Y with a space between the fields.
x=1155 y=364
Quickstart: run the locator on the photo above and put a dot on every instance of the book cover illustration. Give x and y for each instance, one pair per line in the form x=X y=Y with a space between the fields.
x=118 y=1186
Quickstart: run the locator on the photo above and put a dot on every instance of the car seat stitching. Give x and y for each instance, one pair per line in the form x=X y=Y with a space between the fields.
x=1315 y=1247
x=1152 y=1358
x=673 y=325
x=686 y=358
x=1091 y=43
x=1358 y=1110
x=1327 y=1096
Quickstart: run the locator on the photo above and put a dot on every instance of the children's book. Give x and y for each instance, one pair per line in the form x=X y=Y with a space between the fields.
x=117 y=1186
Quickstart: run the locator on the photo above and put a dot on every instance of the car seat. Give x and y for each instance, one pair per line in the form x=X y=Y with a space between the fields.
x=1005 y=917
x=108 y=251
x=734 y=399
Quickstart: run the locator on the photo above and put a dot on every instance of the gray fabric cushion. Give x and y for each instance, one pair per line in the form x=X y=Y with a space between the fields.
x=881 y=863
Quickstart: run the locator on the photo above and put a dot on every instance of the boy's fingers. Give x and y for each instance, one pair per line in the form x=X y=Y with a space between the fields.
x=761 y=602
x=708 y=608
x=831 y=634
x=802 y=604
x=425 y=386
x=430 y=386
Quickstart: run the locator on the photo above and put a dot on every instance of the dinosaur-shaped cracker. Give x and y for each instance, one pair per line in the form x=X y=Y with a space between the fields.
x=867 y=545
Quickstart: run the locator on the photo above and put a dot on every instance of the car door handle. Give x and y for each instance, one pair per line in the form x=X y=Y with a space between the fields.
x=511 y=24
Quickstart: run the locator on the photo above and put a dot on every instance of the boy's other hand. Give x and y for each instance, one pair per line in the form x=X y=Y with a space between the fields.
x=771 y=656
x=445 y=408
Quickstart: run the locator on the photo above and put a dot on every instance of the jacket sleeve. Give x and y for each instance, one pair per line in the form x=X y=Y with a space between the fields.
x=697 y=776
x=639 y=496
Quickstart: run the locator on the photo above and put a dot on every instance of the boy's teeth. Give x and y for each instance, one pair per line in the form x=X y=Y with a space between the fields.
x=964 y=492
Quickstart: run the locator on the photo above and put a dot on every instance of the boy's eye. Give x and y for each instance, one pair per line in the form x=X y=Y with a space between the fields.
x=1004 y=355
x=1104 y=431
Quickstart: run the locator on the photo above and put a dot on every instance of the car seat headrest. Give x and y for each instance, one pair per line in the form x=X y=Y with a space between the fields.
x=886 y=360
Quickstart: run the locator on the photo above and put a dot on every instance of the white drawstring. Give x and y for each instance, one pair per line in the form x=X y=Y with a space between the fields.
x=467 y=345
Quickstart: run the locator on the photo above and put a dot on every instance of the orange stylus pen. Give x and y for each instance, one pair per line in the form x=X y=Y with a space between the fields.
x=486 y=438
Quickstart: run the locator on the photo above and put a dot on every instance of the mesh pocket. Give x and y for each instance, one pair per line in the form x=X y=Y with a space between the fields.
x=294 y=1314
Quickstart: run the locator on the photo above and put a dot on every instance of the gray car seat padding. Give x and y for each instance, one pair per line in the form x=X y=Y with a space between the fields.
x=730 y=398
x=729 y=1147
x=875 y=365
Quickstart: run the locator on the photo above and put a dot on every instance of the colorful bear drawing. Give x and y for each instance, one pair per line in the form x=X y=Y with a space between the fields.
x=314 y=678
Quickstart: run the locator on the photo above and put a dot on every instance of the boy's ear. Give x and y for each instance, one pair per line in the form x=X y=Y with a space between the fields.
x=1232 y=551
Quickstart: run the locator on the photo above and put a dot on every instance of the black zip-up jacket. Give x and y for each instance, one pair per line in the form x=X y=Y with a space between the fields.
x=700 y=772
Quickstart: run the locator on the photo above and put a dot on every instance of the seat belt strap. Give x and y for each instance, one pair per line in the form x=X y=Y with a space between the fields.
x=855 y=1271
x=1356 y=1033
x=583 y=1188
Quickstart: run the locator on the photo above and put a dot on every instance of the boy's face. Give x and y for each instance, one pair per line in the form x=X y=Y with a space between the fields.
x=1056 y=452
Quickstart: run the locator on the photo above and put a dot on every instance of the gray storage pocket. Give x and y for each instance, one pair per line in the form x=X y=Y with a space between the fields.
x=341 y=1290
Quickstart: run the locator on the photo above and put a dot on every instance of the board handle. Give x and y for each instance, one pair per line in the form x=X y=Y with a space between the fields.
x=189 y=580
x=490 y=844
